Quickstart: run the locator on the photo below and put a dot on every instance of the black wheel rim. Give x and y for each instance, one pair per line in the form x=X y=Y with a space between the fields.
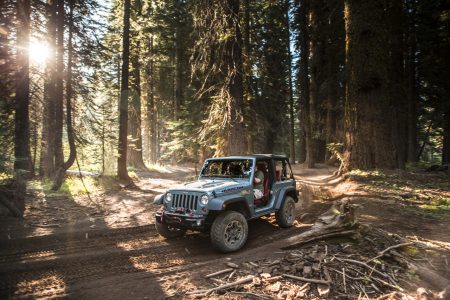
x=234 y=233
x=289 y=212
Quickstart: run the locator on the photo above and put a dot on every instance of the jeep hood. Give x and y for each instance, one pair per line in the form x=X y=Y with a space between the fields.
x=210 y=185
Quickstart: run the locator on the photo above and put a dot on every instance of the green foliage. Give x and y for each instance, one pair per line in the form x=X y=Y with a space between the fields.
x=72 y=186
x=416 y=166
x=183 y=144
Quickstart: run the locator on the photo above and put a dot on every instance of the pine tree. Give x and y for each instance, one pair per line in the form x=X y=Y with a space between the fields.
x=218 y=54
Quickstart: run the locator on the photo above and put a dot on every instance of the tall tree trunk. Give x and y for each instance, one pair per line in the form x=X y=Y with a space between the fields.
x=178 y=70
x=335 y=57
x=319 y=20
x=368 y=111
x=59 y=178
x=59 y=92
x=235 y=89
x=124 y=91
x=446 y=141
x=134 y=116
x=397 y=84
x=291 y=93
x=411 y=86
x=22 y=151
x=249 y=89
x=47 y=163
x=151 y=107
x=304 y=82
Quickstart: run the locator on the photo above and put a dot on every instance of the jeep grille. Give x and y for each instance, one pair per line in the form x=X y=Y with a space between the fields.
x=185 y=201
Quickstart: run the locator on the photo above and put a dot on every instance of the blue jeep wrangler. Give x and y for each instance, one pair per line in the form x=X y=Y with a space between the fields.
x=222 y=199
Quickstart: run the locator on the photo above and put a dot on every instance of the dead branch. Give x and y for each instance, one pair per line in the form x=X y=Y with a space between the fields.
x=262 y=296
x=382 y=253
x=311 y=280
x=219 y=272
x=221 y=287
x=357 y=262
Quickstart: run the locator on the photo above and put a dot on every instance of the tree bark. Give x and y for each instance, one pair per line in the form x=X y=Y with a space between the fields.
x=179 y=99
x=317 y=68
x=22 y=151
x=291 y=93
x=368 y=111
x=124 y=91
x=396 y=81
x=446 y=140
x=47 y=163
x=135 y=158
x=59 y=92
x=61 y=173
x=249 y=89
x=411 y=86
x=304 y=82
x=335 y=58
x=235 y=89
x=151 y=108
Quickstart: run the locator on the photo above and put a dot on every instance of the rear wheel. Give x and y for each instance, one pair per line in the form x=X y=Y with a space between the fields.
x=229 y=231
x=168 y=231
x=286 y=215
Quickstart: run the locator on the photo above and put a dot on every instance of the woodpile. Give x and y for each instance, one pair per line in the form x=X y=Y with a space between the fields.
x=363 y=263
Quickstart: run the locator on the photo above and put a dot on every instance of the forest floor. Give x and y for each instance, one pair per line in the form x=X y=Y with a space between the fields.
x=105 y=246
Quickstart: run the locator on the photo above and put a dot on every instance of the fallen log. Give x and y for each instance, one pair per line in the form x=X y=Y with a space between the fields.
x=338 y=221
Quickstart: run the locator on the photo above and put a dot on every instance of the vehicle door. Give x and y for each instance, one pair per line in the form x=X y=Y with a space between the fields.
x=284 y=178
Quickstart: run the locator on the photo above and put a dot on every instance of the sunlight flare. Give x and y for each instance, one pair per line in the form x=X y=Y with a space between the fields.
x=39 y=52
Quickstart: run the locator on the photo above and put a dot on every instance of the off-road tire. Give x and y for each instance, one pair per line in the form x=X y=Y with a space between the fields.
x=229 y=231
x=168 y=231
x=285 y=216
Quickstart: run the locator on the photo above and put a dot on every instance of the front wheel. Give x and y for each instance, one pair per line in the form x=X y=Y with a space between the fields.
x=229 y=231
x=168 y=231
x=286 y=215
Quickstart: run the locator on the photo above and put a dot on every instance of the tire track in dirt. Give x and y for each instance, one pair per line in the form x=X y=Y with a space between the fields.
x=39 y=266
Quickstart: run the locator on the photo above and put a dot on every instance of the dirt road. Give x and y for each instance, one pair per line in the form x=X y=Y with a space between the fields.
x=110 y=250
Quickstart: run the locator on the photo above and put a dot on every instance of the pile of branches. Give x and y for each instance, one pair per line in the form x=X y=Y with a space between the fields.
x=320 y=271
x=360 y=263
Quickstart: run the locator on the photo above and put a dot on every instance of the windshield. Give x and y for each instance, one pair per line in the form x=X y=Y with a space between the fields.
x=229 y=168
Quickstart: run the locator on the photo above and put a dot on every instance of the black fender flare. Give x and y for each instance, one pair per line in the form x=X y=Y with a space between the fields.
x=283 y=193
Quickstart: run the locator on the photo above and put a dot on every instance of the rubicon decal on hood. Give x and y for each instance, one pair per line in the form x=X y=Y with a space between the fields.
x=236 y=188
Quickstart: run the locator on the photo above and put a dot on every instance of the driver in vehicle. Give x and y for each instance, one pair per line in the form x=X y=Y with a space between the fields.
x=258 y=183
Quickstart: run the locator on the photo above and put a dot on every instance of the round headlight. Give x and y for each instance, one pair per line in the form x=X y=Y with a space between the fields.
x=204 y=200
x=168 y=197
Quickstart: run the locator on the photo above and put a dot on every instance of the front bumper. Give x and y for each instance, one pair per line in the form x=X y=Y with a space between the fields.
x=180 y=221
